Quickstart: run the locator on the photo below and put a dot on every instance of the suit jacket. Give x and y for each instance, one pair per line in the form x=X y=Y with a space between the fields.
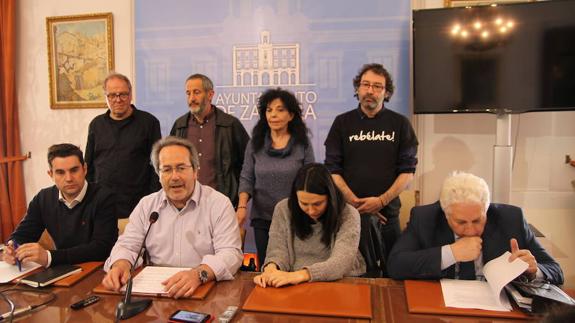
x=417 y=253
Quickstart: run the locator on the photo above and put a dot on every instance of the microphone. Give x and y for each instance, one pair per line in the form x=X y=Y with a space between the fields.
x=127 y=308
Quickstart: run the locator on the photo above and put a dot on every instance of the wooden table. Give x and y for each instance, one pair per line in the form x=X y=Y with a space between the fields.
x=389 y=305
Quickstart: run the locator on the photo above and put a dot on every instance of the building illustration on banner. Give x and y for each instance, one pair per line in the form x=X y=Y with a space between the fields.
x=265 y=63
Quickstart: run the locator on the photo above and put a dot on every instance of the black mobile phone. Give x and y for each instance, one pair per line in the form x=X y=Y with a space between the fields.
x=189 y=317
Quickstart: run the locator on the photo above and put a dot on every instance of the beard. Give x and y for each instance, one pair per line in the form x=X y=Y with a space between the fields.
x=198 y=109
x=370 y=102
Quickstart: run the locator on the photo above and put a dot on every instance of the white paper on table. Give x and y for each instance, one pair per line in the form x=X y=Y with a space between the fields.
x=9 y=272
x=487 y=295
x=470 y=294
x=149 y=280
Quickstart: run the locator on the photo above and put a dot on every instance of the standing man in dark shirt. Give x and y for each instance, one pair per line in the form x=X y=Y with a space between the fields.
x=79 y=216
x=371 y=153
x=119 y=146
x=220 y=138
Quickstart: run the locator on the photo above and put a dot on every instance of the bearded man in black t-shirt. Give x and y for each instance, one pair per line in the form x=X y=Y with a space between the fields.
x=371 y=152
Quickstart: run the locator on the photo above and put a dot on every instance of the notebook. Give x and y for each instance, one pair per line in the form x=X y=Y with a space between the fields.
x=50 y=275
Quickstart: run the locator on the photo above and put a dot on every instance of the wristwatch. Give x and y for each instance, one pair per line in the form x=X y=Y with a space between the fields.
x=203 y=275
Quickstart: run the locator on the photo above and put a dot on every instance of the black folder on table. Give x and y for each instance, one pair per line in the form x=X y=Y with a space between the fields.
x=50 y=275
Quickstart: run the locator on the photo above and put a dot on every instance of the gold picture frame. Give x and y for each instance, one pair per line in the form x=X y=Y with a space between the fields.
x=80 y=56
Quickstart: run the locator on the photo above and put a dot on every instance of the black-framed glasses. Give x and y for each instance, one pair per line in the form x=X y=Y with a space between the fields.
x=377 y=87
x=121 y=95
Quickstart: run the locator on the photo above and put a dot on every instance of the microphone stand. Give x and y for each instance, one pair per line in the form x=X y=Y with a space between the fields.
x=127 y=308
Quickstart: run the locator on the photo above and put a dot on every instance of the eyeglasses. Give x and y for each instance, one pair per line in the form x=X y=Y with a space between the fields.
x=168 y=170
x=377 y=87
x=122 y=96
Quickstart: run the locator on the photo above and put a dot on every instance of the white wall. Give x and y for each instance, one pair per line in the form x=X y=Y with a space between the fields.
x=540 y=177
x=41 y=126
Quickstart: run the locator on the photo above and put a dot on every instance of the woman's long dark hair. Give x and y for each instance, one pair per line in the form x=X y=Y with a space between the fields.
x=315 y=178
x=296 y=127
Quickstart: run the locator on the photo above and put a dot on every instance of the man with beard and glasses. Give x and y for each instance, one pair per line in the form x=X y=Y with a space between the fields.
x=371 y=153
x=220 y=138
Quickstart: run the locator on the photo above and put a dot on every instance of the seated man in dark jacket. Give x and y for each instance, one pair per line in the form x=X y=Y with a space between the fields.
x=455 y=237
x=80 y=217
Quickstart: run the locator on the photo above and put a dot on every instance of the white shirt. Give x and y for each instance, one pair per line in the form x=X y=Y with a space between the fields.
x=205 y=231
x=77 y=199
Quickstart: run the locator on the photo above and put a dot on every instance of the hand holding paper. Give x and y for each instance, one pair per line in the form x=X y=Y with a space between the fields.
x=525 y=255
x=118 y=275
x=151 y=279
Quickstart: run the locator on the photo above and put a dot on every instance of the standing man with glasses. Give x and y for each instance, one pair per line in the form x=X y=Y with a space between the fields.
x=119 y=146
x=196 y=228
x=371 y=153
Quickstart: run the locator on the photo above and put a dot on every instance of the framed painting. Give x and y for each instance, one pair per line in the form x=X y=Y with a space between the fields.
x=80 y=56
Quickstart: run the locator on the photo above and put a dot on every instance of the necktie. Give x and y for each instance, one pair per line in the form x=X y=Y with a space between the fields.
x=467 y=270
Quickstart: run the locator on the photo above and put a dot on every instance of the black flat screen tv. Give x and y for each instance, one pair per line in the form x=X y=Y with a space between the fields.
x=502 y=59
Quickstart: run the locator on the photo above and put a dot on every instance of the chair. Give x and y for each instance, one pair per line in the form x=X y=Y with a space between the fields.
x=370 y=247
x=122 y=225
x=46 y=241
x=243 y=237
x=409 y=199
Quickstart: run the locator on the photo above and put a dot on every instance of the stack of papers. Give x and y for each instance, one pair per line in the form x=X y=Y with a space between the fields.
x=487 y=295
x=149 y=280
